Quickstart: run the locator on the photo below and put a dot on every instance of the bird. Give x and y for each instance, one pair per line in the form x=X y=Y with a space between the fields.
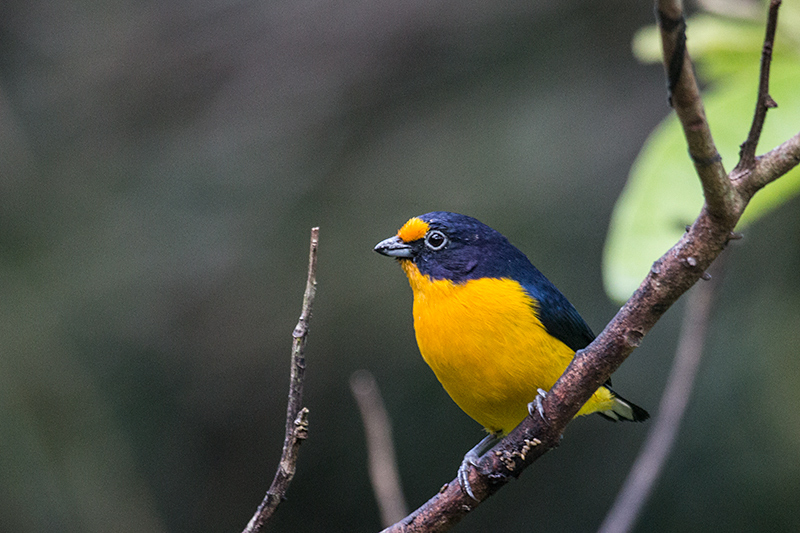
x=495 y=331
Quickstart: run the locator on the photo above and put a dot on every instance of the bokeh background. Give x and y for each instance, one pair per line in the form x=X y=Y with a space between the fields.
x=161 y=164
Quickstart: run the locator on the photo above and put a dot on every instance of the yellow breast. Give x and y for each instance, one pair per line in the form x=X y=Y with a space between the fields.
x=487 y=347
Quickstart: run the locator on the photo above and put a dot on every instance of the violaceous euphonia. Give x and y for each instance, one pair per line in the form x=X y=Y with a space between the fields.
x=492 y=328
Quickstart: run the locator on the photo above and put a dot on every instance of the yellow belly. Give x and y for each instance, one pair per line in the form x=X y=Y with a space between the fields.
x=487 y=347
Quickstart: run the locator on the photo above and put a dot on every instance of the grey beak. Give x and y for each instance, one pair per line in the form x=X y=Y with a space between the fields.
x=394 y=247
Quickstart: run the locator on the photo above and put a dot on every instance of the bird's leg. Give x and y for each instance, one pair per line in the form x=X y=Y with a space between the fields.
x=471 y=459
x=537 y=404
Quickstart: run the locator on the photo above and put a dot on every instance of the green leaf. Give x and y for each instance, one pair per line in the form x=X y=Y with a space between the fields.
x=663 y=193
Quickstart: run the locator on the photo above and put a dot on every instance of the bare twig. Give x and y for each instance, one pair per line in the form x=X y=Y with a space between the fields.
x=770 y=166
x=670 y=276
x=380 y=447
x=747 y=154
x=296 y=416
x=661 y=437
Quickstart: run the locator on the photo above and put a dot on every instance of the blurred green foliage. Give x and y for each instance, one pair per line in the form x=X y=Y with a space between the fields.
x=160 y=167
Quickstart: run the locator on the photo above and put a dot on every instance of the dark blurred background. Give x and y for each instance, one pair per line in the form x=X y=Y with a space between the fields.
x=161 y=165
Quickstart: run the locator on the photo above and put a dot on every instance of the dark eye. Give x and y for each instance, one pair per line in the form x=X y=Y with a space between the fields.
x=435 y=240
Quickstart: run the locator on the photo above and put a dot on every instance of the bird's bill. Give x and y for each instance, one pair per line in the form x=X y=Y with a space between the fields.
x=394 y=247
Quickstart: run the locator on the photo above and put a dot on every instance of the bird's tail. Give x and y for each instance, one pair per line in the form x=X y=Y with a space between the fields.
x=624 y=410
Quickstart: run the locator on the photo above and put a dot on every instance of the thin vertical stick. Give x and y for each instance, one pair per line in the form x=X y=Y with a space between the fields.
x=296 y=416
x=380 y=448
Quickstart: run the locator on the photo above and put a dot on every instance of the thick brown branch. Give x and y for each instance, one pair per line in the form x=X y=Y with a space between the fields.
x=747 y=154
x=672 y=275
x=296 y=415
x=684 y=96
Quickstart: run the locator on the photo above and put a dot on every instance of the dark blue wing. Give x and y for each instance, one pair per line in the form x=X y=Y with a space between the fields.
x=558 y=316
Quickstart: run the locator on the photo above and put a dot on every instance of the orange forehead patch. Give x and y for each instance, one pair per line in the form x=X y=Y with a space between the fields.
x=412 y=230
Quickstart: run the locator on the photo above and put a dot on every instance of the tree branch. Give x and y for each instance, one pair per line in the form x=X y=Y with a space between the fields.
x=296 y=416
x=768 y=167
x=684 y=97
x=669 y=277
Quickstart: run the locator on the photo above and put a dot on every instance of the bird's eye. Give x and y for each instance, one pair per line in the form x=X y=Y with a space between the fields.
x=435 y=240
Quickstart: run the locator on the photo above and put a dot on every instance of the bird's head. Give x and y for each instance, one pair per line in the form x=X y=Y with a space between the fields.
x=446 y=245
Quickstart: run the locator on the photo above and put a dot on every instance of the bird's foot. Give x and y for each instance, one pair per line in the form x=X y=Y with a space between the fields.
x=471 y=459
x=537 y=404
x=463 y=476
